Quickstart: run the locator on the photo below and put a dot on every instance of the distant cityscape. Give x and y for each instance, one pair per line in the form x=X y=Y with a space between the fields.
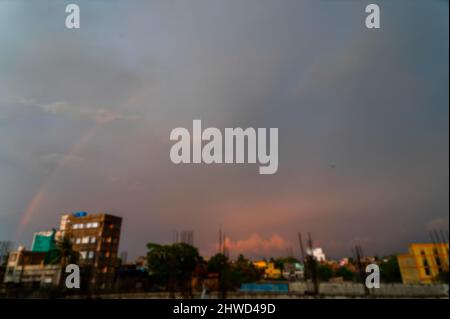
x=92 y=242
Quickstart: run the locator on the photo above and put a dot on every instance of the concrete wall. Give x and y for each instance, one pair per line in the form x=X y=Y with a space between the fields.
x=385 y=290
x=326 y=290
x=401 y=290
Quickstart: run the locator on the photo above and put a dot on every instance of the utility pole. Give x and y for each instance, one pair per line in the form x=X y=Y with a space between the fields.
x=302 y=250
x=361 y=267
x=220 y=239
x=312 y=265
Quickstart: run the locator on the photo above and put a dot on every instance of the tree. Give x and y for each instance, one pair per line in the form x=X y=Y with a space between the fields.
x=173 y=265
x=280 y=263
x=187 y=259
x=243 y=271
x=442 y=277
x=345 y=273
x=390 y=270
x=5 y=248
x=62 y=255
x=324 y=272
x=220 y=264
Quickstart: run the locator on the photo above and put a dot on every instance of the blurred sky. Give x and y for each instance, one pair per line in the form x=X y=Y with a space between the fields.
x=363 y=118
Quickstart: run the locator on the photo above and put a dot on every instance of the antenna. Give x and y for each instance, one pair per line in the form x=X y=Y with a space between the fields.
x=220 y=239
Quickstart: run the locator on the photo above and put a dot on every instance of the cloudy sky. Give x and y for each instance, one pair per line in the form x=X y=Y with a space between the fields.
x=363 y=118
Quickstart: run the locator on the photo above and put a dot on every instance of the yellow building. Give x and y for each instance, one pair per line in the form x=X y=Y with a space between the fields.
x=270 y=272
x=260 y=264
x=423 y=263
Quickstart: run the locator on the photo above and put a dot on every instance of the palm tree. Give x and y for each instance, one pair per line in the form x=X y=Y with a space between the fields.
x=63 y=255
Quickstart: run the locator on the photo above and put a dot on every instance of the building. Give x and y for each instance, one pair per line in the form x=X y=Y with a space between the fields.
x=344 y=262
x=44 y=241
x=293 y=271
x=28 y=268
x=96 y=238
x=132 y=278
x=123 y=257
x=142 y=263
x=270 y=271
x=423 y=263
x=260 y=264
x=317 y=253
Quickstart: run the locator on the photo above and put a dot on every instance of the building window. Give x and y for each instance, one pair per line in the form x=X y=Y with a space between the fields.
x=78 y=240
x=83 y=254
x=91 y=255
x=93 y=240
x=85 y=240
x=426 y=266
x=438 y=261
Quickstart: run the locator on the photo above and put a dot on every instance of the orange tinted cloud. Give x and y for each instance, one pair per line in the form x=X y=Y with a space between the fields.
x=256 y=245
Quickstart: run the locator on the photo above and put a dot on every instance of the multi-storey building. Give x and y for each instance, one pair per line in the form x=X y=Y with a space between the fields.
x=96 y=238
x=317 y=253
x=44 y=241
x=29 y=268
x=423 y=263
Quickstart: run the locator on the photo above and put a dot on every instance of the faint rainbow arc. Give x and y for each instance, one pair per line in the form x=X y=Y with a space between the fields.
x=38 y=197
